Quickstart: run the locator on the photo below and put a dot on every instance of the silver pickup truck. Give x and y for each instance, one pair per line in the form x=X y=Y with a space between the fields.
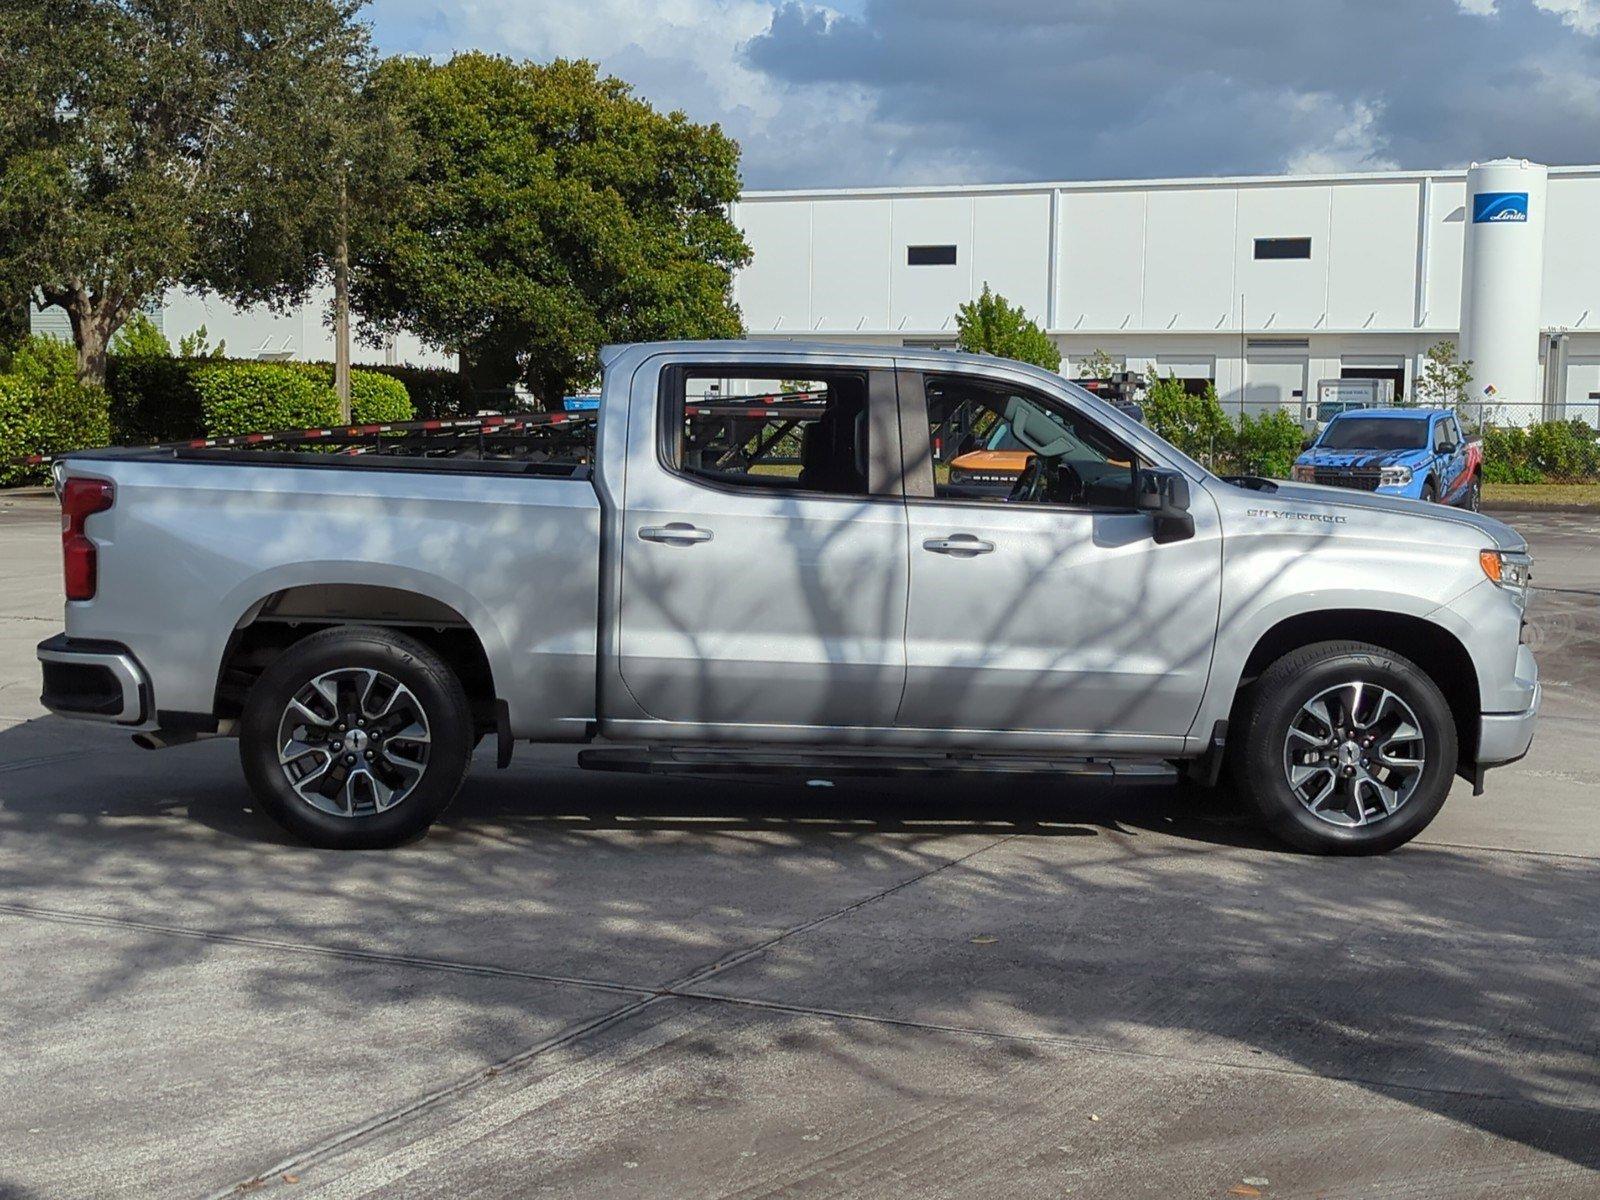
x=758 y=560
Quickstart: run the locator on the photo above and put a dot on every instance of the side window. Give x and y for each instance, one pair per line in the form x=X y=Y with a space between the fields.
x=771 y=430
x=1014 y=446
x=1441 y=433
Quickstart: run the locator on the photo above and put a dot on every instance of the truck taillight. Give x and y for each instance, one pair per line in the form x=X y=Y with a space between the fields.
x=80 y=500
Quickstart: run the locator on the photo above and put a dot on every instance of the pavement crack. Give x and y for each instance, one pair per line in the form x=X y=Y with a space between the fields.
x=428 y=1100
x=747 y=953
x=350 y=953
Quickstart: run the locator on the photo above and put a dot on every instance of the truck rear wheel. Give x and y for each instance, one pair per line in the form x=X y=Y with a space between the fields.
x=1345 y=748
x=356 y=738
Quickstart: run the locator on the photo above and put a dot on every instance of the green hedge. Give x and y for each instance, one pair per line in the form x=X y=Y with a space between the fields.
x=256 y=397
x=47 y=418
x=436 y=392
x=1547 y=452
x=1199 y=426
x=167 y=399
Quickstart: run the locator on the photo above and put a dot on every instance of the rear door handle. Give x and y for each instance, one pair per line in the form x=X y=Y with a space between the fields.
x=962 y=545
x=678 y=533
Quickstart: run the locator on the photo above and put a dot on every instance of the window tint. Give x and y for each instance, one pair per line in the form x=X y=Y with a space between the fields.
x=1298 y=247
x=1375 y=433
x=1014 y=446
x=772 y=431
x=930 y=256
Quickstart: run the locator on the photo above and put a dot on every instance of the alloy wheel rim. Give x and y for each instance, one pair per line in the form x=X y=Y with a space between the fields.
x=1354 y=754
x=353 y=742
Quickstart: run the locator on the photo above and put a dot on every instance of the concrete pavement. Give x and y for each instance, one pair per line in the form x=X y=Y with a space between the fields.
x=591 y=985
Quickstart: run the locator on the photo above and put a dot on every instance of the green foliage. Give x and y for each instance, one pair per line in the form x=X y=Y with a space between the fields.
x=547 y=211
x=166 y=399
x=1268 y=445
x=141 y=337
x=378 y=399
x=991 y=325
x=41 y=360
x=1508 y=456
x=47 y=418
x=1098 y=365
x=141 y=140
x=1444 y=381
x=436 y=392
x=198 y=345
x=258 y=397
x=153 y=399
x=1197 y=425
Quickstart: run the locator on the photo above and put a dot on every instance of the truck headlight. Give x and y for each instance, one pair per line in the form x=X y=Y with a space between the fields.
x=1304 y=473
x=1394 y=476
x=1508 y=570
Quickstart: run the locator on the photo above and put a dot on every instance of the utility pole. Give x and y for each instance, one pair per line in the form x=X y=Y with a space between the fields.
x=341 y=304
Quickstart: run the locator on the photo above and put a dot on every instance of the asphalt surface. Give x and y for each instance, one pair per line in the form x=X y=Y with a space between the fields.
x=599 y=986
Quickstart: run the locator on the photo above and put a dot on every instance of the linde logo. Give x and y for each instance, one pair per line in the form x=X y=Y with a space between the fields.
x=1490 y=207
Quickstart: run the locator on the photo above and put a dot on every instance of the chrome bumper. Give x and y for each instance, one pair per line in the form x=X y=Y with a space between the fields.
x=91 y=680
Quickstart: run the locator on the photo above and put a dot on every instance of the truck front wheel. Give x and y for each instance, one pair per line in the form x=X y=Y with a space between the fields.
x=1345 y=748
x=356 y=738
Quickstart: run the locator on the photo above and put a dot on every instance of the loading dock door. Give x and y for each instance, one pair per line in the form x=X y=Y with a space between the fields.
x=1275 y=381
x=1582 y=400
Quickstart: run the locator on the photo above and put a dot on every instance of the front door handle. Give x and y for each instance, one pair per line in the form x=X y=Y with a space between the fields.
x=678 y=533
x=962 y=545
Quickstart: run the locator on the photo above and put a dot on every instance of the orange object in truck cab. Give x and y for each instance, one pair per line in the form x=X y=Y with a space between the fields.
x=992 y=462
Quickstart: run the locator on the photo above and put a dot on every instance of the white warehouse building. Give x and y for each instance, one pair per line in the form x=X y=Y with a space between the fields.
x=1263 y=285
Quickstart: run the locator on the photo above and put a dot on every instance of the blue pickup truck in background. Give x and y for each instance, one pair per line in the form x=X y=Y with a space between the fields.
x=1419 y=453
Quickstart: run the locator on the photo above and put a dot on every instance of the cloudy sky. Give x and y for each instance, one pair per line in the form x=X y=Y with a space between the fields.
x=863 y=92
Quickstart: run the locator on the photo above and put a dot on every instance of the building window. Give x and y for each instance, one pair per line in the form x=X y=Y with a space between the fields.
x=930 y=256
x=1283 y=247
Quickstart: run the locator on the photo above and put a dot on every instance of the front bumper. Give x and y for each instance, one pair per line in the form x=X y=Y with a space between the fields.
x=1504 y=737
x=93 y=680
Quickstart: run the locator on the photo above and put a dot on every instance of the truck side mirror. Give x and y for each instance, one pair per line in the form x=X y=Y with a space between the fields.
x=1164 y=494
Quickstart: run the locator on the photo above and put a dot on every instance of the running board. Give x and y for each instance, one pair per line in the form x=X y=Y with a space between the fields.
x=682 y=760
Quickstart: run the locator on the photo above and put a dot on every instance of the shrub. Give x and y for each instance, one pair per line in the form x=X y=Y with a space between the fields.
x=43 y=361
x=377 y=399
x=153 y=399
x=1508 y=457
x=255 y=397
x=49 y=418
x=140 y=337
x=1196 y=425
x=436 y=392
x=1268 y=445
x=1564 y=451
x=169 y=399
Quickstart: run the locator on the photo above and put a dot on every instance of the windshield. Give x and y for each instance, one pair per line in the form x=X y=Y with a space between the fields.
x=1375 y=433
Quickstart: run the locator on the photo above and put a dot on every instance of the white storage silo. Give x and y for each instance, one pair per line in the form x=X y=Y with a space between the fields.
x=1502 y=283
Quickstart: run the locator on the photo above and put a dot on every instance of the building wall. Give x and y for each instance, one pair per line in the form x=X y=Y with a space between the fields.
x=1165 y=273
x=301 y=332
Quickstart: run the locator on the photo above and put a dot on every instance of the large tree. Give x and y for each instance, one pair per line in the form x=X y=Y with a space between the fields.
x=140 y=140
x=549 y=211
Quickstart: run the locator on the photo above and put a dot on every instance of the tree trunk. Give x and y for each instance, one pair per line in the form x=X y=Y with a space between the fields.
x=95 y=320
x=91 y=331
x=341 y=305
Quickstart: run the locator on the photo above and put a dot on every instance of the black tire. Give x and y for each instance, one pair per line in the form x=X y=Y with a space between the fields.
x=1474 y=500
x=433 y=686
x=1430 y=492
x=1258 y=746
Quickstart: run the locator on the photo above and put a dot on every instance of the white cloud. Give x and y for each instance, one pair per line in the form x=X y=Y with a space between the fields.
x=1478 y=8
x=1355 y=143
x=688 y=54
x=1582 y=15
